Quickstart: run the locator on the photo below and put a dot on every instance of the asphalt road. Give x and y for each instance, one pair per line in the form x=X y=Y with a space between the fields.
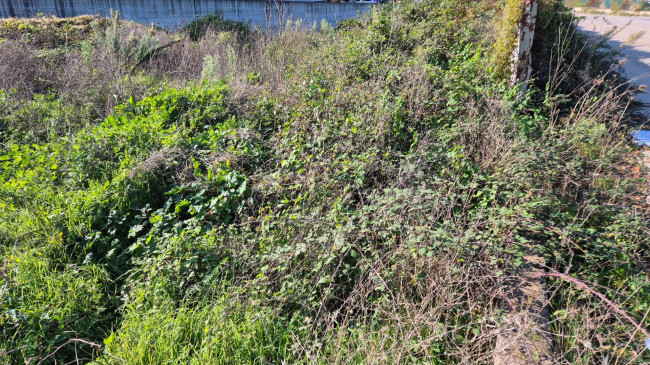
x=632 y=38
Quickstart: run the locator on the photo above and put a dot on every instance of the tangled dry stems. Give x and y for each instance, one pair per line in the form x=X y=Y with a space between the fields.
x=442 y=306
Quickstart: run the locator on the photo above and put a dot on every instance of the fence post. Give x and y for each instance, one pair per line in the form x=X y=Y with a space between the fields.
x=520 y=66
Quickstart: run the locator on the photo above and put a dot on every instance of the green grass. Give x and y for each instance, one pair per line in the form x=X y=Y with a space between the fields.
x=208 y=332
x=358 y=195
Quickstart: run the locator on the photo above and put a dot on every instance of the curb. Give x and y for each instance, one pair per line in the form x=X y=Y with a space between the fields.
x=582 y=10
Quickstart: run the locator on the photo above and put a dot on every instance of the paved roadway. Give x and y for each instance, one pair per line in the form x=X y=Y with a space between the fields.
x=632 y=38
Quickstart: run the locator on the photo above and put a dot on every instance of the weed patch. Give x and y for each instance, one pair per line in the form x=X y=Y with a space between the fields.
x=361 y=194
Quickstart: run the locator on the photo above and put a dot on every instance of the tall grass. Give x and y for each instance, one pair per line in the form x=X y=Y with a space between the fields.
x=362 y=194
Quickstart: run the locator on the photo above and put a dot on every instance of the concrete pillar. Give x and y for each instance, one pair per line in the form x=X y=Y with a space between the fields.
x=521 y=67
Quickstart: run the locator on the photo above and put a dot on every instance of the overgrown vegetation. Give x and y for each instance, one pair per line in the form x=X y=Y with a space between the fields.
x=215 y=22
x=356 y=195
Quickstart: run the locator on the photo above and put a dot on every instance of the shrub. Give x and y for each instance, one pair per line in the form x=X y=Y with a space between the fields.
x=198 y=28
x=360 y=195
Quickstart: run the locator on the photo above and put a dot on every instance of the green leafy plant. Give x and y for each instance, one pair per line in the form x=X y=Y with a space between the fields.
x=215 y=22
x=357 y=195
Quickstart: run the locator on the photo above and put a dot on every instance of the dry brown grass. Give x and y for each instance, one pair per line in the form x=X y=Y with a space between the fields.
x=170 y=164
x=23 y=70
x=444 y=306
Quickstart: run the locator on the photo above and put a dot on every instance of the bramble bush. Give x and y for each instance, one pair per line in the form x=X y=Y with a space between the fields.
x=358 y=195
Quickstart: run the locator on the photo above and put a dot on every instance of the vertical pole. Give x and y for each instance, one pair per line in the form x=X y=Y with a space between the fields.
x=521 y=67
